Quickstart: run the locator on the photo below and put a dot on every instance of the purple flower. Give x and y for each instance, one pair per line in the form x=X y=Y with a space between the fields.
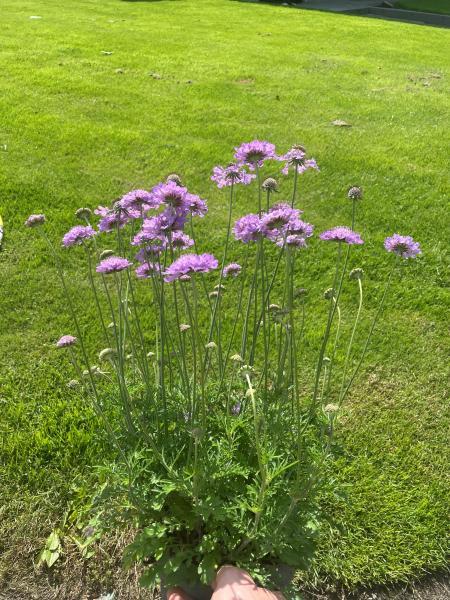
x=102 y=211
x=254 y=153
x=293 y=241
x=236 y=409
x=231 y=175
x=296 y=157
x=35 y=220
x=402 y=245
x=277 y=219
x=197 y=206
x=341 y=234
x=189 y=264
x=232 y=270
x=77 y=235
x=65 y=341
x=112 y=220
x=149 y=253
x=138 y=200
x=146 y=270
x=181 y=241
x=301 y=228
x=171 y=195
x=248 y=228
x=113 y=264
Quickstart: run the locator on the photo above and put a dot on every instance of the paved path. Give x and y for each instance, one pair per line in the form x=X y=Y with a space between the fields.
x=339 y=5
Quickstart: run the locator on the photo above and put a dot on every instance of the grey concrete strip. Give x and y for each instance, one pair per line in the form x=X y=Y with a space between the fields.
x=339 y=5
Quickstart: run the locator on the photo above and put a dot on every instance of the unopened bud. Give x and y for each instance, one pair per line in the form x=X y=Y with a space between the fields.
x=107 y=354
x=175 y=178
x=83 y=213
x=356 y=274
x=328 y=294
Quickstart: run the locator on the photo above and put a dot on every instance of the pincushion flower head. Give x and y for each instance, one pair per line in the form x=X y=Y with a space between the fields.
x=231 y=175
x=171 y=195
x=180 y=240
x=292 y=241
x=254 y=153
x=65 y=341
x=189 y=264
x=147 y=269
x=402 y=245
x=278 y=219
x=232 y=270
x=112 y=220
x=35 y=220
x=138 y=200
x=341 y=234
x=77 y=235
x=196 y=206
x=248 y=228
x=113 y=264
x=296 y=158
x=300 y=228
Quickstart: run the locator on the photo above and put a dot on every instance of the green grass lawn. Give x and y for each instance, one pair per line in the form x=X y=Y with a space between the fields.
x=80 y=127
x=437 y=6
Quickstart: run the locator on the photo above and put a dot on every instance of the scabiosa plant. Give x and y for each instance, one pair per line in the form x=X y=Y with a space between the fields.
x=341 y=234
x=296 y=159
x=78 y=235
x=232 y=270
x=189 y=264
x=113 y=264
x=220 y=432
x=35 y=220
x=231 y=175
x=65 y=341
x=253 y=154
x=402 y=245
x=248 y=228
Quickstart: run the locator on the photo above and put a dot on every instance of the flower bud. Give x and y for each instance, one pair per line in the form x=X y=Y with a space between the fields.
x=356 y=274
x=73 y=384
x=107 y=354
x=270 y=185
x=220 y=287
x=300 y=292
x=331 y=408
x=213 y=294
x=83 y=213
x=175 y=178
x=35 y=220
x=328 y=294
x=326 y=360
x=150 y=355
x=237 y=358
x=355 y=193
x=211 y=346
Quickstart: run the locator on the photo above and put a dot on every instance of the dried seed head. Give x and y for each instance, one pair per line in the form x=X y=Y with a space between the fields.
x=213 y=294
x=83 y=213
x=237 y=358
x=106 y=254
x=175 y=178
x=300 y=292
x=73 y=384
x=220 y=287
x=150 y=355
x=270 y=185
x=326 y=360
x=356 y=274
x=355 y=193
x=274 y=307
x=197 y=433
x=107 y=354
x=184 y=327
x=331 y=408
x=94 y=370
x=328 y=294
x=211 y=346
